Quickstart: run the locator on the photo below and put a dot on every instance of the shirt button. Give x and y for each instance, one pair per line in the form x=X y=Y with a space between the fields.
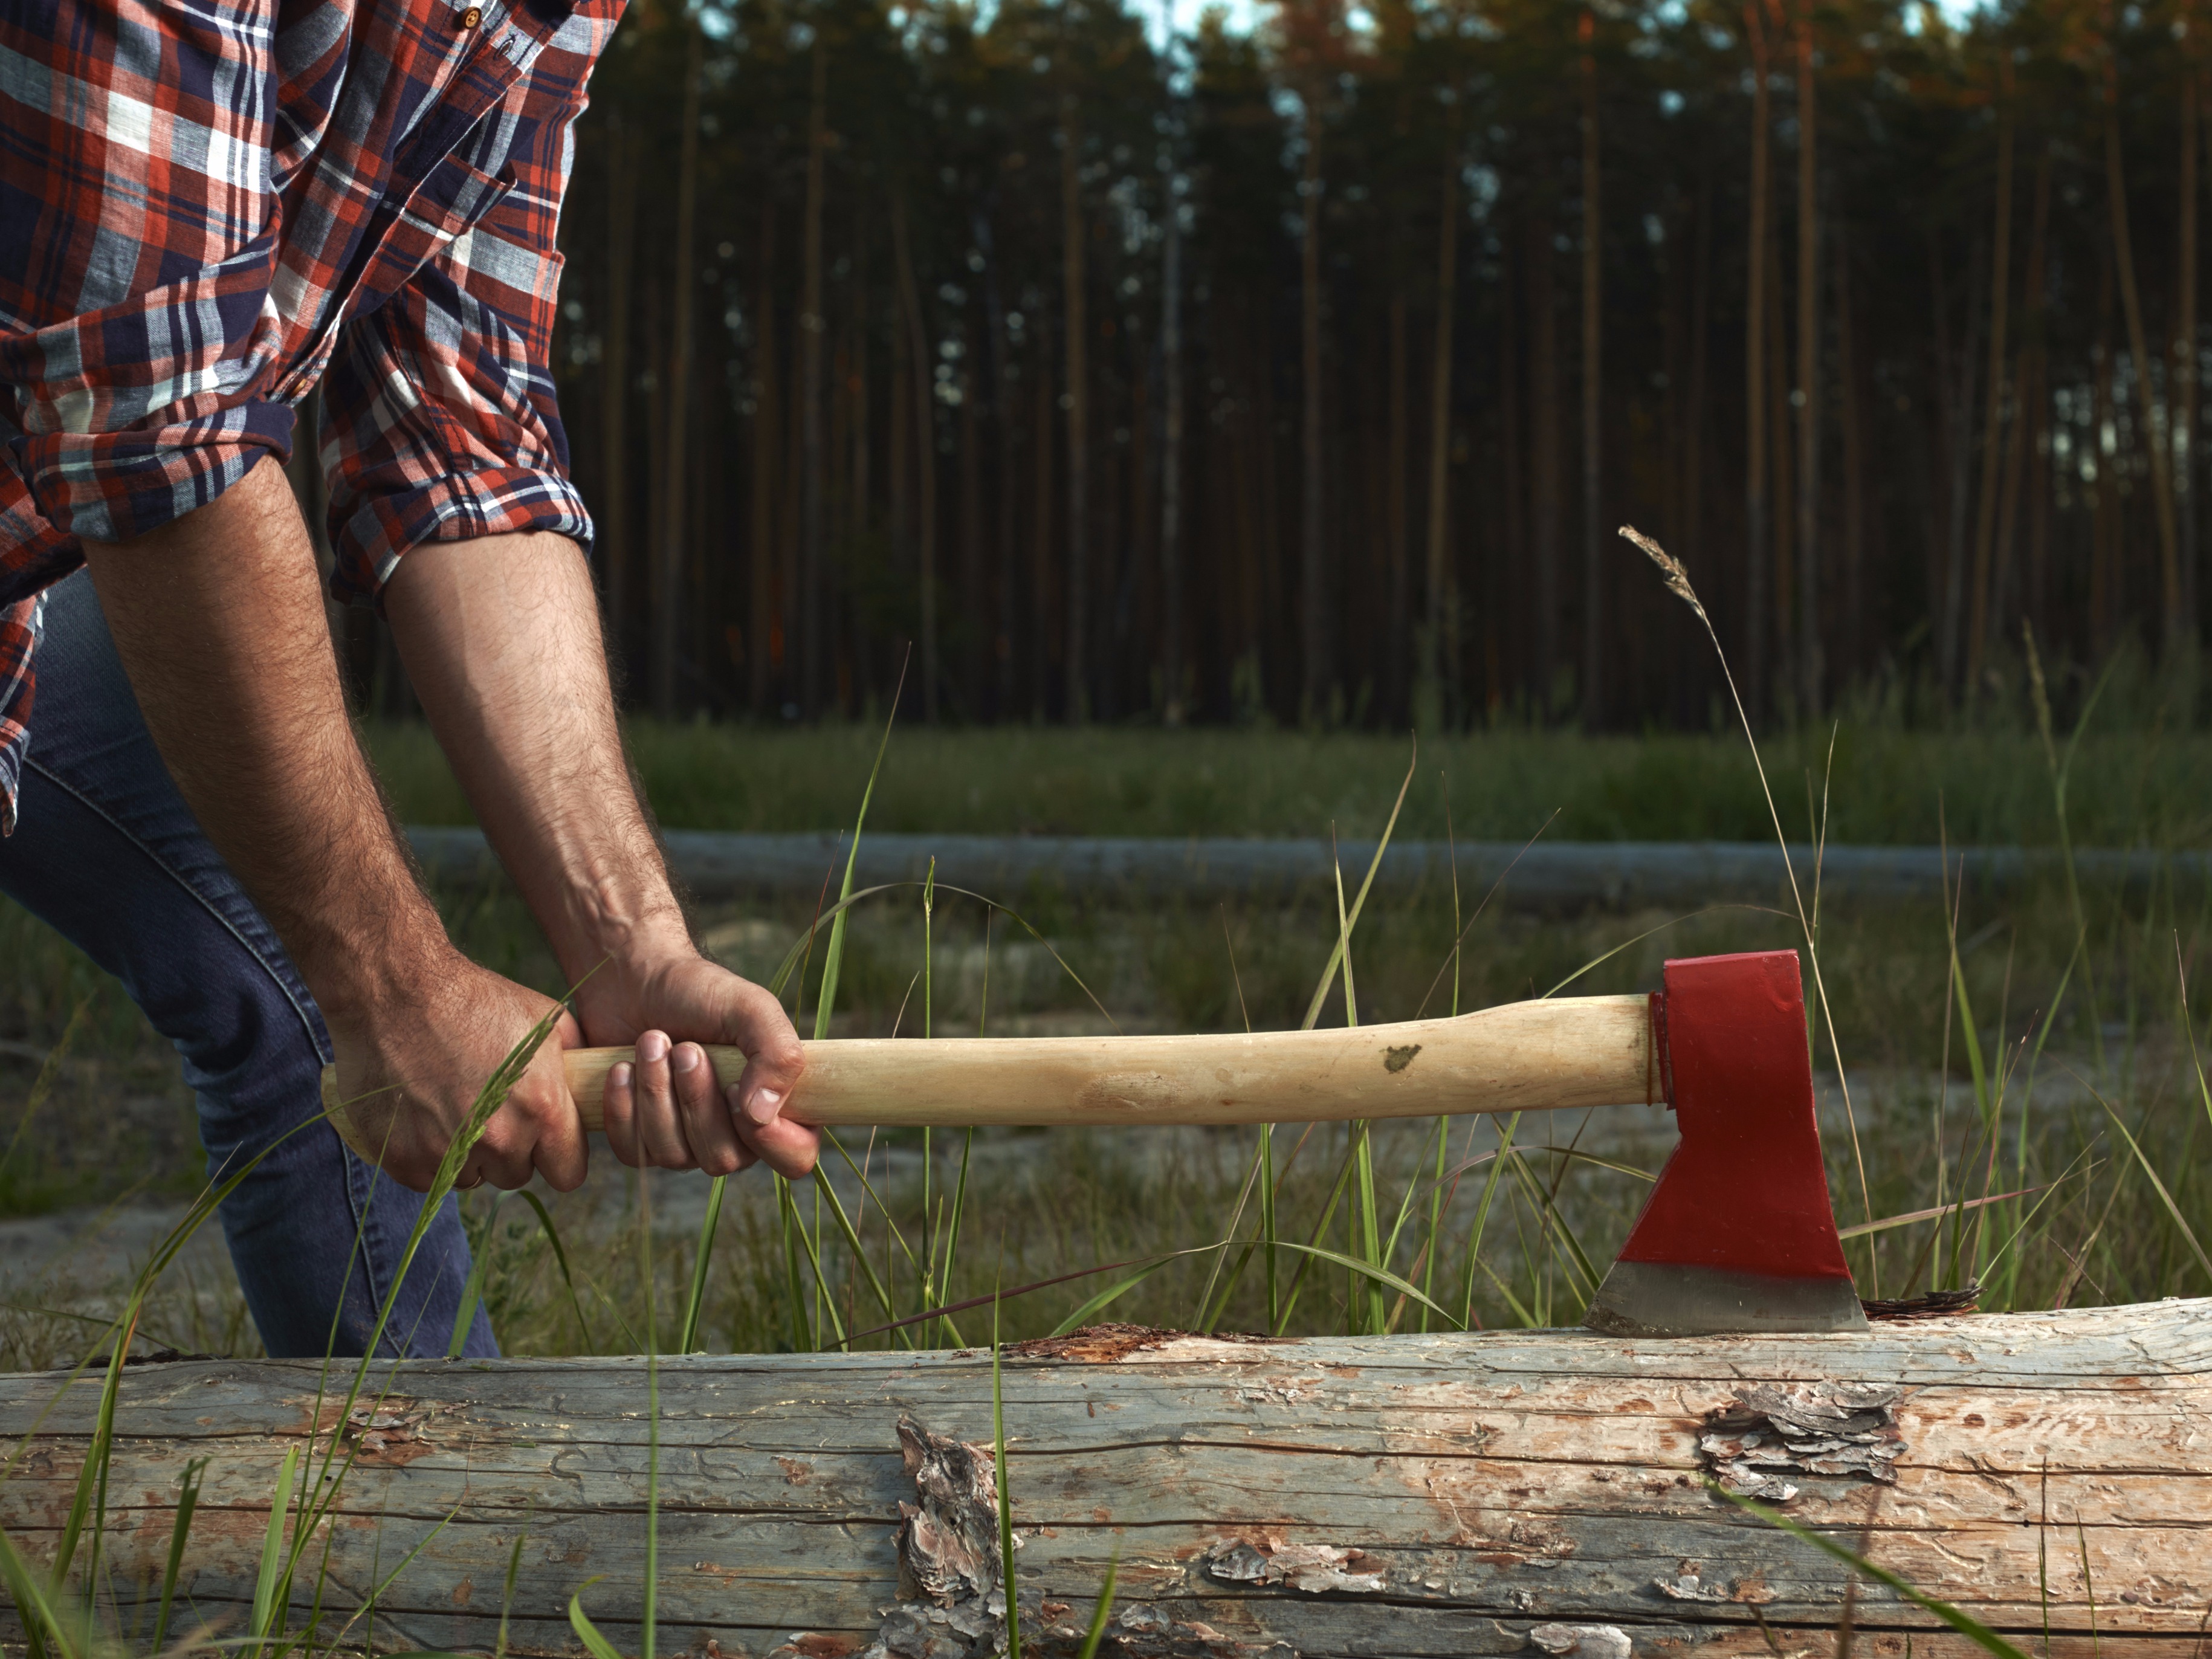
x=467 y=17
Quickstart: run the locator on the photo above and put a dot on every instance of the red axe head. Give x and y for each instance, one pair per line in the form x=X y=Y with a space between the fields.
x=1738 y=1234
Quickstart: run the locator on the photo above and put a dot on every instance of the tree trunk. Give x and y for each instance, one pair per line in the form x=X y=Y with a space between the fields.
x=1431 y=705
x=1040 y=630
x=1077 y=328
x=2180 y=629
x=1780 y=454
x=1590 y=695
x=1313 y=575
x=761 y=642
x=812 y=325
x=1395 y=483
x=675 y=458
x=1810 y=664
x=1172 y=675
x=1693 y=484
x=612 y=520
x=2028 y=402
x=2184 y=337
x=1847 y=384
x=1755 y=529
x=1509 y=569
x=1544 y=458
x=925 y=451
x=2103 y=552
x=1005 y=419
x=2032 y=1468
x=971 y=531
x=1979 y=614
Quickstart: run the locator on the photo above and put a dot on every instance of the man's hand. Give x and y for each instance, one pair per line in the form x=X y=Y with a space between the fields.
x=500 y=636
x=668 y=1110
x=410 y=1068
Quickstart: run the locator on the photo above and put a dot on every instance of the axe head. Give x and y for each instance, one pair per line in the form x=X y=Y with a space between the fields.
x=1738 y=1234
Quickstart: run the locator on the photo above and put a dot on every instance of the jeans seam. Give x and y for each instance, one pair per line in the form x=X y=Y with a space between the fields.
x=307 y=1022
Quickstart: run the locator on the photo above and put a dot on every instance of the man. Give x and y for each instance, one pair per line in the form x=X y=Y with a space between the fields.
x=206 y=208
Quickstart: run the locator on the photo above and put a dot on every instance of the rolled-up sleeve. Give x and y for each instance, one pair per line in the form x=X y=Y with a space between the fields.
x=440 y=418
x=138 y=235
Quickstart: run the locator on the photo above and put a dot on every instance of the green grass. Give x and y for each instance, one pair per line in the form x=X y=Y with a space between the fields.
x=2131 y=787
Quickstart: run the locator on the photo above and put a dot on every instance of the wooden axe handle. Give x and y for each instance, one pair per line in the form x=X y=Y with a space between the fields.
x=1522 y=1056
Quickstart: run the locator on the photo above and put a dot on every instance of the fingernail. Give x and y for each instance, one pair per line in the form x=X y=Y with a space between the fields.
x=619 y=1077
x=652 y=1047
x=687 y=1056
x=765 y=1105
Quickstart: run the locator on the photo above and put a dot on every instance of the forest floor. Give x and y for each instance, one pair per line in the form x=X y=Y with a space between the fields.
x=1914 y=1031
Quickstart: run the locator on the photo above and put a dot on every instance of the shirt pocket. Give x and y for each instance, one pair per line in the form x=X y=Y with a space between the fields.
x=452 y=197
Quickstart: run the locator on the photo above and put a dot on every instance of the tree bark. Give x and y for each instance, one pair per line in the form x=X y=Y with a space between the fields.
x=762 y=640
x=2031 y=1467
x=2178 y=628
x=1430 y=710
x=812 y=326
x=925 y=450
x=1847 y=384
x=612 y=520
x=1313 y=575
x=2185 y=390
x=1544 y=458
x=1979 y=614
x=1076 y=327
x=675 y=458
x=2029 y=401
x=1810 y=667
x=1398 y=578
x=1755 y=528
x=1590 y=695
x=1172 y=689
x=1005 y=419
x=1041 y=560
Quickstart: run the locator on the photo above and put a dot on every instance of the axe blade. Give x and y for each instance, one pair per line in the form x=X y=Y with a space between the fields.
x=1738 y=1235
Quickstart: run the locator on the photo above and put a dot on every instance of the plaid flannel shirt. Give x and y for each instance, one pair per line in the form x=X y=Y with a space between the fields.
x=208 y=206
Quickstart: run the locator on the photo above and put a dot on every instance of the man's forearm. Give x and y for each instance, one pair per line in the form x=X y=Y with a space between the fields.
x=500 y=636
x=219 y=620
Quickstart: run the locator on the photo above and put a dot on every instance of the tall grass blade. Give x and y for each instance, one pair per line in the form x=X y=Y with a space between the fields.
x=472 y=1293
x=507 y=1591
x=1105 y=1298
x=587 y=1633
x=2188 y=1233
x=1328 y=972
x=1102 y=1613
x=561 y=1261
x=1476 y=1227
x=272 y=1581
x=42 y=1620
x=188 y=1498
x=695 y=1305
x=1972 y=1629
x=1677 y=583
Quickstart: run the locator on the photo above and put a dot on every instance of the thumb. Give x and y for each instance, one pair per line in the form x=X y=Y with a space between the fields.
x=773 y=1055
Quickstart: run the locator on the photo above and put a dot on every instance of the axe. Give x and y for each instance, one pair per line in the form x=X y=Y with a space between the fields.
x=1736 y=1235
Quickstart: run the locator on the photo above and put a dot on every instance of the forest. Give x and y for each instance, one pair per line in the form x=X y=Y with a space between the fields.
x=1081 y=370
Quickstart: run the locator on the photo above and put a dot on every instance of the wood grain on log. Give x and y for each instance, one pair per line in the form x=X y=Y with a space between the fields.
x=1539 y=1491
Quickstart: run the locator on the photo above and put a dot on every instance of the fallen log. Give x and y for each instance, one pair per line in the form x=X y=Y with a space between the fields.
x=1548 y=878
x=1543 y=1491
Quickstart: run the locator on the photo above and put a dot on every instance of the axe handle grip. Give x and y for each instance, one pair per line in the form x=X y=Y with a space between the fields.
x=1520 y=1057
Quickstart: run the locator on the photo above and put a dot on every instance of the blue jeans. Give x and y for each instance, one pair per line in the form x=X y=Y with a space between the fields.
x=107 y=852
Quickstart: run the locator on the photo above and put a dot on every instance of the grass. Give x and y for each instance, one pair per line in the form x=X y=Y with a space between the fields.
x=2025 y=1096
x=2134 y=785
